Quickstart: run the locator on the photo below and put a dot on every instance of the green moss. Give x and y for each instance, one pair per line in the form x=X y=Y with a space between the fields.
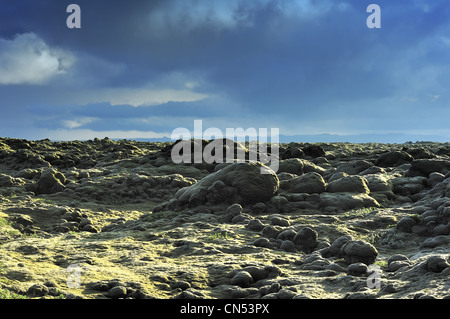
x=416 y=217
x=7 y=229
x=43 y=201
x=219 y=236
x=382 y=263
x=160 y=215
x=361 y=212
x=7 y=294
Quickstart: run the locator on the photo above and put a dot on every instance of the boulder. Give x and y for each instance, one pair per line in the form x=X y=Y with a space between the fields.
x=270 y=231
x=232 y=211
x=288 y=246
x=9 y=181
x=336 y=176
x=37 y=290
x=405 y=224
x=378 y=183
x=436 y=264
x=313 y=151
x=408 y=185
x=350 y=184
x=287 y=234
x=291 y=165
x=441 y=229
x=239 y=183
x=397 y=261
x=354 y=167
x=309 y=183
x=188 y=150
x=436 y=241
x=420 y=153
x=347 y=201
x=255 y=225
x=424 y=167
x=242 y=279
x=285 y=176
x=117 y=292
x=298 y=166
x=50 y=182
x=435 y=178
x=292 y=152
x=373 y=170
x=306 y=239
x=355 y=251
x=262 y=242
x=393 y=158
x=335 y=248
x=357 y=269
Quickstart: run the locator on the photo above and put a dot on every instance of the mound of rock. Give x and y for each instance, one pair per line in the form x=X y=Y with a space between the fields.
x=299 y=167
x=306 y=239
x=354 y=167
x=350 y=184
x=225 y=230
x=408 y=185
x=355 y=251
x=50 y=182
x=346 y=201
x=394 y=158
x=424 y=167
x=311 y=183
x=314 y=151
x=237 y=182
x=419 y=152
x=9 y=181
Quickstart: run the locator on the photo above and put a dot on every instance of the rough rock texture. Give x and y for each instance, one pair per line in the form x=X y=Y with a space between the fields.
x=238 y=182
x=119 y=219
x=50 y=182
x=424 y=167
x=310 y=183
x=346 y=201
x=350 y=184
x=394 y=158
x=355 y=251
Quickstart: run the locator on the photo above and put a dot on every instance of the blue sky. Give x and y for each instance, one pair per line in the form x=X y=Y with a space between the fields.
x=139 y=69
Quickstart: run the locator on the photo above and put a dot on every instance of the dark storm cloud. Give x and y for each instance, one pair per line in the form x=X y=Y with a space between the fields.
x=295 y=60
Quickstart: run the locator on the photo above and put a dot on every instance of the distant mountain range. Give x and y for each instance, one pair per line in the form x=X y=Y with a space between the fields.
x=333 y=138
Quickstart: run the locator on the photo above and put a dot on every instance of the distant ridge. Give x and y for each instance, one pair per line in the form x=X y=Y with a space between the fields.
x=334 y=138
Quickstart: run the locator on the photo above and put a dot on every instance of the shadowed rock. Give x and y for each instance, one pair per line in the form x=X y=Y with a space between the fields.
x=424 y=167
x=238 y=182
x=50 y=182
x=394 y=158
x=354 y=167
x=306 y=239
x=308 y=183
x=351 y=184
x=347 y=201
x=356 y=251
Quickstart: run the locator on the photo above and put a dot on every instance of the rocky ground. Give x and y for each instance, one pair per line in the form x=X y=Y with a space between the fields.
x=118 y=219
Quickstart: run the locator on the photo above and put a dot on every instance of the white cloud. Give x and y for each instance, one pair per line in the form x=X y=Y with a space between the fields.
x=137 y=97
x=75 y=123
x=434 y=97
x=27 y=59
